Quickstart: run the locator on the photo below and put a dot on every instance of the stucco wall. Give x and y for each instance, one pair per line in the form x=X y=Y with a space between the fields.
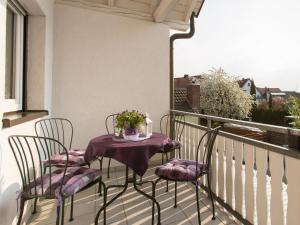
x=10 y=181
x=105 y=64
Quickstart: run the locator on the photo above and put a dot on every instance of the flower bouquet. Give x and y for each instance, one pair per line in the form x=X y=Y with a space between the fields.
x=129 y=122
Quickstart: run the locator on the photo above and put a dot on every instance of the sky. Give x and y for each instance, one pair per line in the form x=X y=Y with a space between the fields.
x=257 y=39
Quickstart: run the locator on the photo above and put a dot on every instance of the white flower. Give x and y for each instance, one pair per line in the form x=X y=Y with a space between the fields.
x=220 y=95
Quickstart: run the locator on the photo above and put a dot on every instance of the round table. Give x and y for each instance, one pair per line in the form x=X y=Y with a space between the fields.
x=135 y=155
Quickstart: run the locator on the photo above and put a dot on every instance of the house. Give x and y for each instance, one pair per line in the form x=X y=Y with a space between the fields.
x=292 y=94
x=265 y=94
x=245 y=85
x=187 y=93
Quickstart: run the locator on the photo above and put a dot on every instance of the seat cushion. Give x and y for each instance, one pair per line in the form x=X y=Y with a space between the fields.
x=180 y=170
x=171 y=146
x=75 y=179
x=77 y=152
x=59 y=160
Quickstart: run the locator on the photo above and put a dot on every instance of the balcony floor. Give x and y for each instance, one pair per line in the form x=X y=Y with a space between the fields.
x=132 y=208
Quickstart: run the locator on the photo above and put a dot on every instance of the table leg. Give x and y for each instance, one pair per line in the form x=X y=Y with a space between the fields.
x=105 y=204
x=135 y=184
x=125 y=186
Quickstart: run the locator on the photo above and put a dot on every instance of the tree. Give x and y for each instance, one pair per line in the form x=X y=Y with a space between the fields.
x=220 y=95
x=253 y=90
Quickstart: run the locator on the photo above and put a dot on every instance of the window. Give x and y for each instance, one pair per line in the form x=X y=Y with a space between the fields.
x=13 y=58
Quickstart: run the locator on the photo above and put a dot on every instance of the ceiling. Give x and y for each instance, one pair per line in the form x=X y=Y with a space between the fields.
x=174 y=13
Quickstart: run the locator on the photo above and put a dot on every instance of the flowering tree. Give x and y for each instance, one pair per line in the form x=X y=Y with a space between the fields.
x=220 y=95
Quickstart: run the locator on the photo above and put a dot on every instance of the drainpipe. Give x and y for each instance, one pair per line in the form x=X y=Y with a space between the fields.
x=172 y=40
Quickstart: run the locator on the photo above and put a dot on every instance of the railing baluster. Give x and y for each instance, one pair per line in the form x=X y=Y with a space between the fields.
x=249 y=159
x=255 y=220
x=233 y=175
x=221 y=166
x=277 y=170
x=214 y=167
x=268 y=190
x=284 y=193
x=261 y=162
x=243 y=177
x=225 y=171
x=293 y=176
x=217 y=167
x=238 y=178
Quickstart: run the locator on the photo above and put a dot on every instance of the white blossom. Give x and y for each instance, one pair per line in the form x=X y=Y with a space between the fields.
x=220 y=95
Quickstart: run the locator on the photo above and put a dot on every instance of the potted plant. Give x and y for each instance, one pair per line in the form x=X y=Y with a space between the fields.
x=129 y=122
x=294 y=110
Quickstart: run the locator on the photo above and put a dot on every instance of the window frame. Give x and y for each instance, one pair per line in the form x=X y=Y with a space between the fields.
x=16 y=104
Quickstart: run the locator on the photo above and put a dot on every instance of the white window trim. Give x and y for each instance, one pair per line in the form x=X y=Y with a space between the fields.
x=10 y=105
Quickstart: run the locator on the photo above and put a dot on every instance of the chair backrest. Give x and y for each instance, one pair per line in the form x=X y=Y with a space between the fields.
x=30 y=153
x=210 y=137
x=60 y=129
x=165 y=122
x=110 y=123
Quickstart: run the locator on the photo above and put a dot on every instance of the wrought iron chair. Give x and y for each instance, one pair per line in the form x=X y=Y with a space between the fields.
x=179 y=170
x=110 y=129
x=173 y=145
x=31 y=153
x=61 y=129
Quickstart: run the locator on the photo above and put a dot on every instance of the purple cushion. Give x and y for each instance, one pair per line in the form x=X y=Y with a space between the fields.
x=60 y=160
x=77 y=152
x=171 y=145
x=75 y=179
x=180 y=170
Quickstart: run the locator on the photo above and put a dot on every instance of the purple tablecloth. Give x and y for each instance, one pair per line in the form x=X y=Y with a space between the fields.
x=134 y=154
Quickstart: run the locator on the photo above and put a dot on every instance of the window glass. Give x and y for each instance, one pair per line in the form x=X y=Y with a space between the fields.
x=10 y=48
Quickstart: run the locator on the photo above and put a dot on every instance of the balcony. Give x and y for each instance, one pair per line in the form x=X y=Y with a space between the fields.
x=86 y=59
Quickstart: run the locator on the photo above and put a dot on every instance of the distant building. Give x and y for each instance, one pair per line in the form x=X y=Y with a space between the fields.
x=187 y=93
x=292 y=94
x=267 y=94
x=245 y=85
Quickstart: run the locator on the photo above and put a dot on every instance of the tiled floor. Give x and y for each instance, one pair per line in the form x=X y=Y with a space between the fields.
x=132 y=208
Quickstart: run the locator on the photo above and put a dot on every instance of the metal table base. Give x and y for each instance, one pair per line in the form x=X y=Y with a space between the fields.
x=125 y=186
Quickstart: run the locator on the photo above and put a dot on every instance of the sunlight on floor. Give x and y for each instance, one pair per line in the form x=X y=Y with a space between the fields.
x=132 y=208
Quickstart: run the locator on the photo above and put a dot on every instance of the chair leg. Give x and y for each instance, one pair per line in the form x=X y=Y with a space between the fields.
x=108 y=168
x=21 y=210
x=211 y=196
x=167 y=182
x=198 y=204
x=34 y=205
x=63 y=212
x=175 y=204
x=141 y=179
x=72 y=207
x=58 y=214
x=100 y=180
x=153 y=205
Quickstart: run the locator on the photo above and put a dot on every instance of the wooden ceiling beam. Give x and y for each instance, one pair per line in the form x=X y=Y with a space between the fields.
x=191 y=4
x=163 y=10
x=111 y=3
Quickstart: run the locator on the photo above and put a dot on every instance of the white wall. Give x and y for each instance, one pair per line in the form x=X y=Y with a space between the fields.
x=105 y=64
x=10 y=181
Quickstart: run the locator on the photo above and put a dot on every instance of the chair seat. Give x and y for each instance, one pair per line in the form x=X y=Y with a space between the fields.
x=75 y=179
x=60 y=160
x=77 y=152
x=180 y=170
x=171 y=146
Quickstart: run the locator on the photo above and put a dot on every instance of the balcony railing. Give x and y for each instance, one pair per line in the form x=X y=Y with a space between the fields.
x=255 y=181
